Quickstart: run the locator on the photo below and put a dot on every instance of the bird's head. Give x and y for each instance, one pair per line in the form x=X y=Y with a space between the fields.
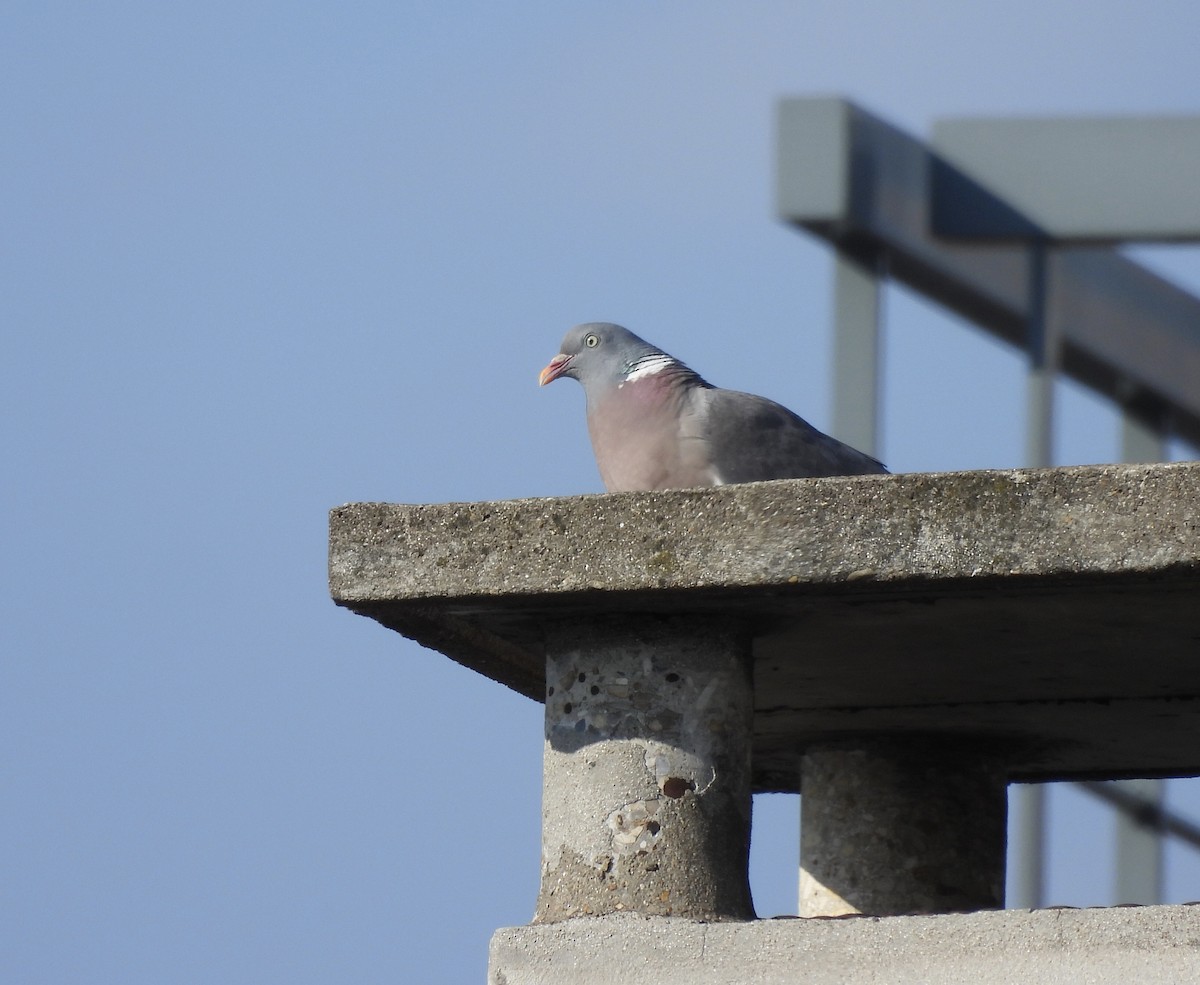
x=598 y=353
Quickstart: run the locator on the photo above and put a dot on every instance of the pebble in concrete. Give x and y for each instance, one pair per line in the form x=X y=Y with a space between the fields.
x=646 y=785
x=895 y=826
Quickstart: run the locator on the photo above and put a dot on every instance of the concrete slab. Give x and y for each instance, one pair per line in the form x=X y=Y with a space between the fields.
x=1151 y=945
x=1053 y=613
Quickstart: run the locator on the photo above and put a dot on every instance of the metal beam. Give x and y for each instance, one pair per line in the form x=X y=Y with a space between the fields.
x=865 y=186
x=1139 y=840
x=1093 y=179
x=856 y=351
x=1027 y=877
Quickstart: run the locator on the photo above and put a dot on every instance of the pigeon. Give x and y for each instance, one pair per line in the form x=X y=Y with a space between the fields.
x=656 y=424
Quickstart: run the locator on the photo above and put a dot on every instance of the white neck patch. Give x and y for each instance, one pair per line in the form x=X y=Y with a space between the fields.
x=648 y=365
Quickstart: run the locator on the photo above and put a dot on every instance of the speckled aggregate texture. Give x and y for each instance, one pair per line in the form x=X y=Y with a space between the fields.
x=902 y=826
x=1149 y=945
x=646 y=784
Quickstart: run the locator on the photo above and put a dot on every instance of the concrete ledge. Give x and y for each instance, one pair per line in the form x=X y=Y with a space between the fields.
x=1151 y=945
x=1052 y=612
x=791 y=536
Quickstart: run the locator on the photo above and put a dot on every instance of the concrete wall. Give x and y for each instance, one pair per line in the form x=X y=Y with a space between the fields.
x=1151 y=945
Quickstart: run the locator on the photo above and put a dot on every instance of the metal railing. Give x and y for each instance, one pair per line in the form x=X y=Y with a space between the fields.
x=1039 y=282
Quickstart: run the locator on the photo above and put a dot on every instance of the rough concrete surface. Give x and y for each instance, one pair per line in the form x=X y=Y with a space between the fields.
x=900 y=826
x=1050 y=612
x=1150 y=945
x=646 y=782
x=1034 y=522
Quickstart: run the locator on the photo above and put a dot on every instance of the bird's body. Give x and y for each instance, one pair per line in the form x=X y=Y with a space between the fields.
x=656 y=424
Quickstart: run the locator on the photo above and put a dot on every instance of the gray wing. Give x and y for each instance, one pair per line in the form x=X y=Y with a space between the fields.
x=752 y=438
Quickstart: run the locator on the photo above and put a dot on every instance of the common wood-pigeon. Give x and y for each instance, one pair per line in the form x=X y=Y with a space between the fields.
x=655 y=424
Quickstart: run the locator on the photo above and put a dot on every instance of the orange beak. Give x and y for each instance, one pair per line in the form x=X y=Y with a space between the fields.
x=556 y=368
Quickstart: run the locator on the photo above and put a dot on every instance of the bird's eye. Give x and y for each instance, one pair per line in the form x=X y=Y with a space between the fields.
x=591 y=341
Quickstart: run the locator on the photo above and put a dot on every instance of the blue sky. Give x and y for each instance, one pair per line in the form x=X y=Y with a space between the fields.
x=260 y=259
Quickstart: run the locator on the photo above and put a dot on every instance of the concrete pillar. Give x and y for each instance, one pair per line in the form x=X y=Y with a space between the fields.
x=646 y=784
x=901 y=826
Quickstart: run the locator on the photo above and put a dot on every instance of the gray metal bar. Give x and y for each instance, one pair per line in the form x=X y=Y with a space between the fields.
x=1026 y=879
x=1141 y=441
x=1139 y=844
x=865 y=186
x=1045 y=355
x=1129 y=334
x=1107 y=179
x=856 y=351
x=1028 y=883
